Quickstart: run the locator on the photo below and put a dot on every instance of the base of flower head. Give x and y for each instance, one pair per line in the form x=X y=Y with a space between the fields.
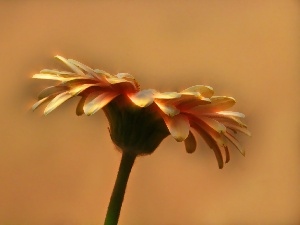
x=134 y=129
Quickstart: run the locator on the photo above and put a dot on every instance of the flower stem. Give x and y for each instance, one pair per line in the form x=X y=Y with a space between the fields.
x=116 y=199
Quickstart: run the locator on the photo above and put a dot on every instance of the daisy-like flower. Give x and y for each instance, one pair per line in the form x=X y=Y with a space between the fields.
x=140 y=119
x=195 y=108
x=96 y=87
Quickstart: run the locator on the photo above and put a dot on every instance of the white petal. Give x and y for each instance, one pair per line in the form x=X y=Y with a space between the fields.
x=166 y=95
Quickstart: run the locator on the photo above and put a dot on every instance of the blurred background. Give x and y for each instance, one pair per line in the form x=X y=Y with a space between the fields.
x=60 y=169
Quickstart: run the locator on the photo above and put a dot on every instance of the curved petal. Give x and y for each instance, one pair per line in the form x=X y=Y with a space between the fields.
x=40 y=102
x=205 y=91
x=218 y=103
x=99 y=102
x=178 y=126
x=56 y=72
x=57 y=101
x=80 y=88
x=227 y=155
x=235 y=142
x=190 y=143
x=237 y=128
x=52 y=90
x=211 y=143
x=142 y=98
x=79 y=108
x=89 y=70
x=223 y=118
x=167 y=95
x=214 y=124
x=70 y=65
x=230 y=113
x=167 y=109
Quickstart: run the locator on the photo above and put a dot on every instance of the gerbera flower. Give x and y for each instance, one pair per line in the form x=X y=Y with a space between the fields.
x=195 y=108
x=140 y=119
x=96 y=87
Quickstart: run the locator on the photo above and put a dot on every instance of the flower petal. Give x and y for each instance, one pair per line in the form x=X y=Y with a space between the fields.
x=235 y=142
x=51 y=90
x=230 y=113
x=166 y=95
x=205 y=91
x=70 y=65
x=90 y=71
x=58 y=100
x=78 y=89
x=178 y=126
x=169 y=110
x=227 y=155
x=214 y=124
x=142 y=98
x=40 y=102
x=79 y=108
x=237 y=128
x=99 y=102
x=218 y=103
x=211 y=143
x=190 y=143
x=223 y=118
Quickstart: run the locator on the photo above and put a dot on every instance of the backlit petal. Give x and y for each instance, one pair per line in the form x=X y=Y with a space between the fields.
x=230 y=113
x=52 y=90
x=178 y=126
x=205 y=91
x=58 y=100
x=214 y=124
x=85 y=68
x=167 y=95
x=99 y=102
x=218 y=103
x=169 y=110
x=70 y=65
x=142 y=98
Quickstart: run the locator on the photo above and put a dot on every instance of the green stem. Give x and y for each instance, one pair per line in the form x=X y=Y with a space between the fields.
x=116 y=199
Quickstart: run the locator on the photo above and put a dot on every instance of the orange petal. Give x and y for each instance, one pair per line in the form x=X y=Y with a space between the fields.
x=89 y=70
x=205 y=91
x=99 y=102
x=235 y=142
x=57 y=101
x=169 y=110
x=51 y=90
x=40 y=102
x=70 y=65
x=230 y=113
x=218 y=103
x=79 y=108
x=78 y=89
x=211 y=143
x=214 y=124
x=178 y=126
x=56 y=72
x=166 y=95
x=190 y=143
x=223 y=118
x=237 y=128
x=142 y=98
x=227 y=154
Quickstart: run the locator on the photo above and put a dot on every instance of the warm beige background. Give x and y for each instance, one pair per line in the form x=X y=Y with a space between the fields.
x=60 y=169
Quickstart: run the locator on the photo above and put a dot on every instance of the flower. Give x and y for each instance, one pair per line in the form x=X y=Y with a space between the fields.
x=96 y=87
x=140 y=119
x=195 y=108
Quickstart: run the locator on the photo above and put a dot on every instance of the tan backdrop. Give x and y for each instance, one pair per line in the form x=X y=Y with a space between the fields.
x=60 y=169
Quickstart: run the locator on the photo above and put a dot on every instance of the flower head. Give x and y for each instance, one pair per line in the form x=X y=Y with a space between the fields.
x=140 y=119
